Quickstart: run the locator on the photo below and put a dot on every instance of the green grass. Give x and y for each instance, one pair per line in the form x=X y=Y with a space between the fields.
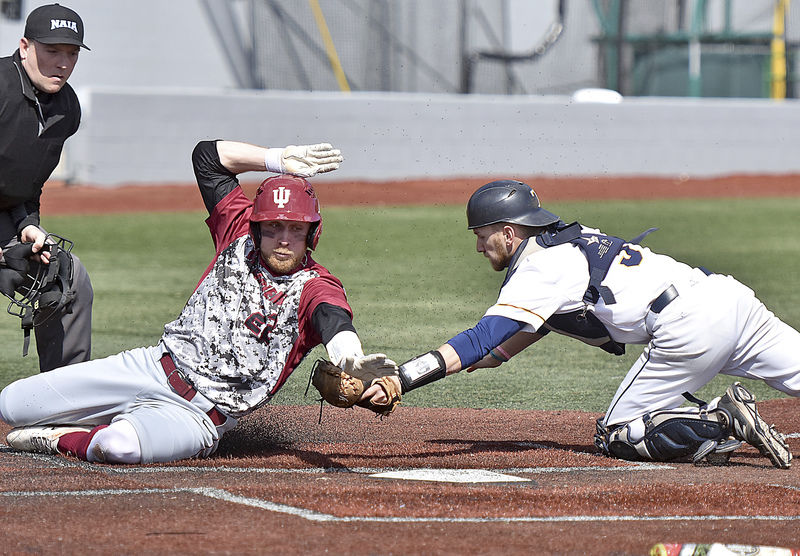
x=414 y=280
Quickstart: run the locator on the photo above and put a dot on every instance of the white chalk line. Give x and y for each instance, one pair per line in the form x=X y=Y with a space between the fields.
x=311 y=515
x=787 y=487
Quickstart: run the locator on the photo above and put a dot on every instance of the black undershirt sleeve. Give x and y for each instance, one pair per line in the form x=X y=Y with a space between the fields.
x=214 y=180
x=329 y=320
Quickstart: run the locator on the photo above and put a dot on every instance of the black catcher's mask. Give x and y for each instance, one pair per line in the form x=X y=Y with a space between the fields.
x=37 y=291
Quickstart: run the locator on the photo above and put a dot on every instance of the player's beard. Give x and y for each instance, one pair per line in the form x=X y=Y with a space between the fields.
x=499 y=255
x=284 y=266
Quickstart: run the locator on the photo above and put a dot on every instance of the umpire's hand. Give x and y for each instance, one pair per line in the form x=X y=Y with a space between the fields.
x=34 y=234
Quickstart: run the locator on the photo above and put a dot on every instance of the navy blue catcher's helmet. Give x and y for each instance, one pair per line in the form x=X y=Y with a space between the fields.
x=507 y=201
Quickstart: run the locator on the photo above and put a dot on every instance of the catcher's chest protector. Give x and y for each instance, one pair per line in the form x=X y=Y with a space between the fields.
x=600 y=251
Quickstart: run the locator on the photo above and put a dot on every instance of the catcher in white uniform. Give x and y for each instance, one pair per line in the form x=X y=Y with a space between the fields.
x=609 y=292
x=261 y=306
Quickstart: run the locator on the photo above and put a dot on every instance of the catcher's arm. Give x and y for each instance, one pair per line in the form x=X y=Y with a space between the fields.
x=506 y=350
x=437 y=364
x=419 y=371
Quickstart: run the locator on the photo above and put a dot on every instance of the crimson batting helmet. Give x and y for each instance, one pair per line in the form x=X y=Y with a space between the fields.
x=287 y=197
x=507 y=201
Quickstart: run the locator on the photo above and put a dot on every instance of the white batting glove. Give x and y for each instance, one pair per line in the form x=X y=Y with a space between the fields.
x=303 y=160
x=368 y=367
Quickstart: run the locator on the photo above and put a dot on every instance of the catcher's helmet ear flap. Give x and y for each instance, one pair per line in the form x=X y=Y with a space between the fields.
x=507 y=201
x=287 y=197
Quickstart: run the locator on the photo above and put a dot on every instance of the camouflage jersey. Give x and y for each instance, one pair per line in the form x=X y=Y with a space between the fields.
x=243 y=330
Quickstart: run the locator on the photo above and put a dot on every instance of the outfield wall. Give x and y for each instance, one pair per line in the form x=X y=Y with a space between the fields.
x=146 y=136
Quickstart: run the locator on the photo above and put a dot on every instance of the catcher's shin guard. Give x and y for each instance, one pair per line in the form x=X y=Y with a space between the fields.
x=668 y=435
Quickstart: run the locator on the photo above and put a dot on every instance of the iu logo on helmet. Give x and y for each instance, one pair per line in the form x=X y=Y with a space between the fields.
x=281 y=196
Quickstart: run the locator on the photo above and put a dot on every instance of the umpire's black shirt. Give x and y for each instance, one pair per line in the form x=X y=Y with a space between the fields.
x=33 y=128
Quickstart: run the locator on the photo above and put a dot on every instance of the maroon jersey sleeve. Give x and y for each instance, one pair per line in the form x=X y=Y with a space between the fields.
x=326 y=288
x=229 y=221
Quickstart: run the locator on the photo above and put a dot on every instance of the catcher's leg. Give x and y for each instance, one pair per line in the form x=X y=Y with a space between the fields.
x=766 y=348
x=670 y=435
x=682 y=356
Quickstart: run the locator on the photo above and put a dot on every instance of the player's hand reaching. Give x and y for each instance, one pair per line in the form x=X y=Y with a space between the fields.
x=308 y=160
x=376 y=394
x=369 y=366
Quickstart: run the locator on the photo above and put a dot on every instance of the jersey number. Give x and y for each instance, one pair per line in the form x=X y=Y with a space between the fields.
x=630 y=256
x=261 y=326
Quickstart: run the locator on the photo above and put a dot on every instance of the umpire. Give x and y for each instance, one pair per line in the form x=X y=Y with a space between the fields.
x=38 y=112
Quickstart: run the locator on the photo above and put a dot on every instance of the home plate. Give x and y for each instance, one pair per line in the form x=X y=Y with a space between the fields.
x=449 y=476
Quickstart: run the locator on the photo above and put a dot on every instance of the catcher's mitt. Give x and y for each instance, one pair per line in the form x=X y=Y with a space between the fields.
x=341 y=389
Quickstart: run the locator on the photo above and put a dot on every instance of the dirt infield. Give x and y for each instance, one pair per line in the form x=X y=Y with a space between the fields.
x=508 y=482
x=283 y=483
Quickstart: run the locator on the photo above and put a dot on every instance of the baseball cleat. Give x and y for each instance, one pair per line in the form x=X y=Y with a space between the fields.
x=42 y=440
x=749 y=427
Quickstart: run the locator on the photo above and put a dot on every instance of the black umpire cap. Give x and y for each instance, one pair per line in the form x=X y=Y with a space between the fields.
x=55 y=24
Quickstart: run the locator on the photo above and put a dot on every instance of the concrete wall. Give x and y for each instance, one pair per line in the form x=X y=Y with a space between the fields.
x=130 y=136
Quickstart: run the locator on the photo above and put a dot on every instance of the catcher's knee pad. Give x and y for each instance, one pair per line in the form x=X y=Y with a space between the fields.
x=665 y=435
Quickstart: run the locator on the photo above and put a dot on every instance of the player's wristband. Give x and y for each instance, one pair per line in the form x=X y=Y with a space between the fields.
x=497 y=355
x=422 y=370
x=272 y=160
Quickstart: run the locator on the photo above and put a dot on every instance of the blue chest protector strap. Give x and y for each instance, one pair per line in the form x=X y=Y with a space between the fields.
x=599 y=250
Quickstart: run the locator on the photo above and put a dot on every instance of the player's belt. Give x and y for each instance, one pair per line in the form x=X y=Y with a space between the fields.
x=186 y=391
x=666 y=297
